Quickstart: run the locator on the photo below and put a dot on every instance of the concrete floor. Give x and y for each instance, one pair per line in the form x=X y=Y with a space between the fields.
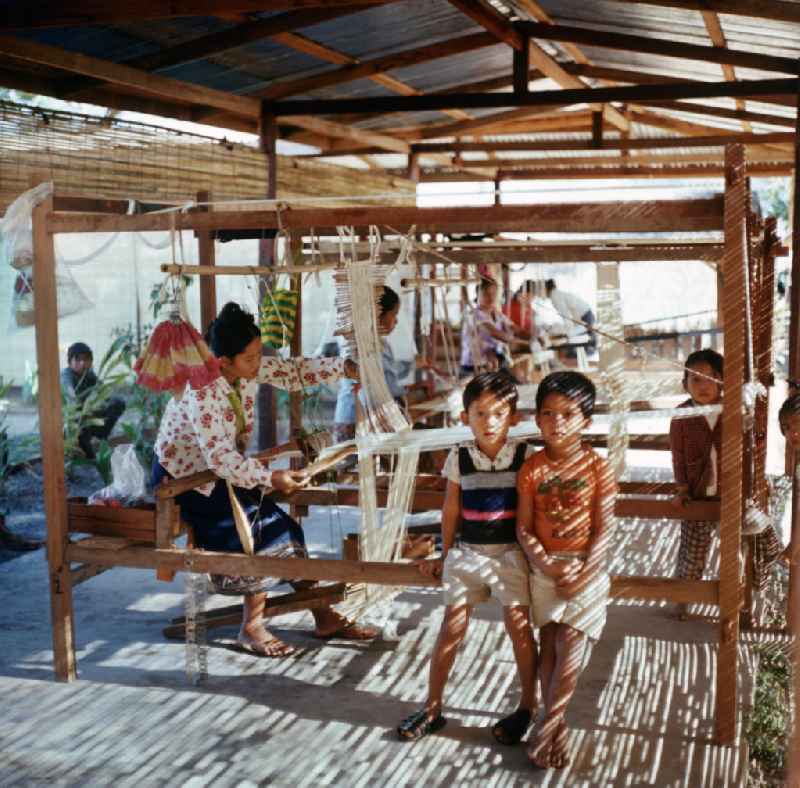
x=642 y=715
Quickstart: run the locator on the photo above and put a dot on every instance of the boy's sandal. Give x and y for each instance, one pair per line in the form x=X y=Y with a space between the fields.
x=419 y=724
x=511 y=729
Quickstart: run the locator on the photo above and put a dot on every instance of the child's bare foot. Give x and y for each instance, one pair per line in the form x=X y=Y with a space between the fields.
x=559 y=751
x=540 y=746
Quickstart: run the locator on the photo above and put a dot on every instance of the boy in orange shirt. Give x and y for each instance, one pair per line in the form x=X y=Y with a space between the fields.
x=564 y=519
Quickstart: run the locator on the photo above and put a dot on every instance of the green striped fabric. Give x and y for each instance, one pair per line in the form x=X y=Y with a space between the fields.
x=278 y=311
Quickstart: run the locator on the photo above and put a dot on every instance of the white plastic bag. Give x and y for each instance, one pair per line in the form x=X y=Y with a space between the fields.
x=128 y=486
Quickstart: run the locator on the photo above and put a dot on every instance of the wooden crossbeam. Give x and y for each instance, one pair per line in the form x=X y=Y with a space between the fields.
x=627 y=216
x=661 y=47
x=56 y=13
x=777 y=10
x=660 y=143
x=549 y=98
x=369 y=68
x=162 y=87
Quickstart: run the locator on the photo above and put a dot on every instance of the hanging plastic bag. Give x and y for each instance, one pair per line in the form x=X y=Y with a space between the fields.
x=17 y=239
x=128 y=486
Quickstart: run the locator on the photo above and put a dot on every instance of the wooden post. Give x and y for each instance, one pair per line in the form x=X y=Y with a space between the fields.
x=206 y=256
x=736 y=208
x=167 y=522
x=52 y=435
x=521 y=67
x=412 y=171
x=597 y=129
x=268 y=134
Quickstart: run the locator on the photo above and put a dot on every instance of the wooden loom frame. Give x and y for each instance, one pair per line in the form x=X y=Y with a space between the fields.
x=701 y=214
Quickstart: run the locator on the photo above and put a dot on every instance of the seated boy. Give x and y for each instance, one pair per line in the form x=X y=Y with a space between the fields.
x=564 y=519
x=789 y=420
x=77 y=379
x=481 y=501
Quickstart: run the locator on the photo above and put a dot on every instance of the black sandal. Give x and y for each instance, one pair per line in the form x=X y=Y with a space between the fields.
x=418 y=725
x=511 y=729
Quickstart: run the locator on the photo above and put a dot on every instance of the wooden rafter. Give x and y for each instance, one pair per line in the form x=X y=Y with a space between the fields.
x=715 y=33
x=212 y=44
x=777 y=10
x=661 y=47
x=501 y=28
x=724 y=112
x=328 y=128
x=369 y=68
x=671 y=123
x=540 y=15
x=56 y=13
x=151 y=84
x=309 y=47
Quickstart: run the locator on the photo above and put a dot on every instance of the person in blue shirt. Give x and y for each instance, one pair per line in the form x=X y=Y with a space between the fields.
x=344 y=426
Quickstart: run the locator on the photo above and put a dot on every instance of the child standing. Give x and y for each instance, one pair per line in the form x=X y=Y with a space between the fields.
x=481 y=501
x=696 y=445
x=564 y=519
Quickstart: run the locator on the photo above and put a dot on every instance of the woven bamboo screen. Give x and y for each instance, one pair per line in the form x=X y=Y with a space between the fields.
x=116 y=159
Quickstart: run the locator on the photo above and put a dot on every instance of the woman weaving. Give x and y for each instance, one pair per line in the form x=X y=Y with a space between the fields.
x=210 y=428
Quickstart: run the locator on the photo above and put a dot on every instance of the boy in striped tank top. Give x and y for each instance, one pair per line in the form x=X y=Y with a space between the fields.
x=481 y=502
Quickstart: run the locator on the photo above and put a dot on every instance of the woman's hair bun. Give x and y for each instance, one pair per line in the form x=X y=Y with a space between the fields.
x=231 y=331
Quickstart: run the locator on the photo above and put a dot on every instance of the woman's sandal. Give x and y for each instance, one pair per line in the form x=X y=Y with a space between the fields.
x=511 y=729
x=349 y=630
x=270 y=646
x=419 y=724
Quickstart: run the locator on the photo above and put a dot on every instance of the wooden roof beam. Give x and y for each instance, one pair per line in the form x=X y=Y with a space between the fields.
x=151 y=84
x=715 y=141
x=369 y=68
x=776 y=10
x=328 y=128
x=664 y=48
x=309 y=47
x=714 y=28
x=549 y=98
x=207 y=46
x=56 y=13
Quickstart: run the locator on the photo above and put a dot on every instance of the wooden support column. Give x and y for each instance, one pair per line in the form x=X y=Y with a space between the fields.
x=268 y=137
x=296 y=349
x=597 y=129
x=734 y=261
x=412 y=172
x=52 y=435
x=206 y=256
x=521 y=66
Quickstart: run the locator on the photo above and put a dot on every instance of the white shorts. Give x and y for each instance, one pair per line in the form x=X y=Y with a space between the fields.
x=586 y=611
x=473 y=573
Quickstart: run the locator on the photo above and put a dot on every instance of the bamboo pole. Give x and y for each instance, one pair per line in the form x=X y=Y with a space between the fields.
x=51 y=429
x=736 y=208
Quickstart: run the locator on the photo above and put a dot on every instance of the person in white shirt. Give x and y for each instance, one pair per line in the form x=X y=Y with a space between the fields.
x=209 y=428
x=571 y=308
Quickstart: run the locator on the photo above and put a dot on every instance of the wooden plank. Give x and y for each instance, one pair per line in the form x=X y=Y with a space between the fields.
x=657 y=589
x=167 y=523
x=52 y=437
x=765 y=169
x=369 y=68
x=584 y=254
x=736 y=207
x=107 y=71
x=540 y=98
x=777 y=10
x=724 y=112
x=174 y=559
x=628 y=216
x=350 y=133
x=206 y=255
x=660 y=47
x=55 y=13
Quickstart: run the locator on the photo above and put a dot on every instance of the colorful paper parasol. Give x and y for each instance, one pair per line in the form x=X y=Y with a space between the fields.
x=176 y=354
